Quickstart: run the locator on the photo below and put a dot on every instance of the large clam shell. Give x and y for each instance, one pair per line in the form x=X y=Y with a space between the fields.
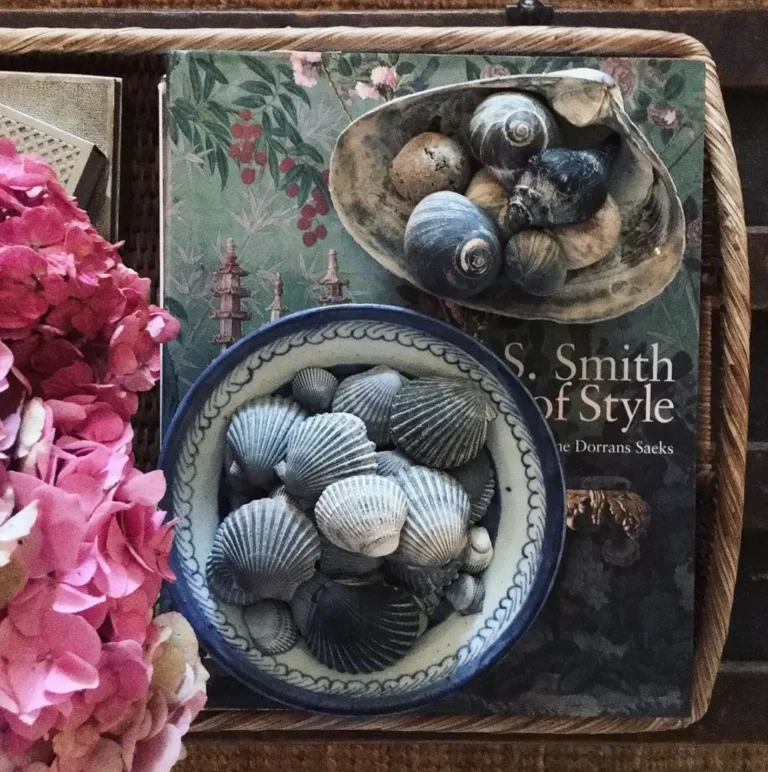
x=323 y=449
x=435 y=530
x=313 y=388
x=636 y=271
x=335 y=561
x=440 y=422
x=258 y=436
x=262 y=550
x=271 y=626
x=422 y=582
x=362 y=514
x=361 y=628
x=369 y=396
x=478 y=479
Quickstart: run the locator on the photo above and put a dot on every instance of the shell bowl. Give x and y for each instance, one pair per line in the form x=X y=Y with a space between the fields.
x=525 y=519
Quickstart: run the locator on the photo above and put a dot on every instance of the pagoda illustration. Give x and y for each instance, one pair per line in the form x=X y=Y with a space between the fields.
x=277 y=309
x=227 y=288
x=331 y=290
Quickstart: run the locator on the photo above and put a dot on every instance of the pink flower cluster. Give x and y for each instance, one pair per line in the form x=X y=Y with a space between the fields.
x=87 y=680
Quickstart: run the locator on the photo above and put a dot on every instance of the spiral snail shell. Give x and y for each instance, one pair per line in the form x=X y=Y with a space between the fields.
x=533 y=260
x=507 y=129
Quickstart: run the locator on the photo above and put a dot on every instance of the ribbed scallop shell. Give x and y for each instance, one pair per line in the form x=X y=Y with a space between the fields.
x=369 y=396
x=313 y=388
x=362 y=514
x=422 y=582
x=280 y=493
x=440 y=422
x=478 y=479
x=271 y=626
x=304 y=601
x=390 y=462
x=335 y=561
x=239 y=490
x=222 y=582
x=323 y=449
x=435 y=530
x=478 y=554
x=266 y=550
x=362 y=628
x=467 y=594
x=258 y=436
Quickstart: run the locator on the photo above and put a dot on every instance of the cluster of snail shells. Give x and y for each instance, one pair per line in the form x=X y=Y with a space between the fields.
x=532 y=211
x=356 y=513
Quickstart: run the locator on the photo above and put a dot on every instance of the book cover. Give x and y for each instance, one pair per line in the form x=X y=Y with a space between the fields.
x=248 y=140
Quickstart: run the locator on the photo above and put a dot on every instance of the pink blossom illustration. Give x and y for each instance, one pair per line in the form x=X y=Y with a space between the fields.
x=306 y=66
x=624 y=72
x=663 y=116
x=494 y=71
x=382 y=85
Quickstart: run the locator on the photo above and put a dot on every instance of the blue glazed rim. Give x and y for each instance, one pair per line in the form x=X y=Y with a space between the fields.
x=552 y=475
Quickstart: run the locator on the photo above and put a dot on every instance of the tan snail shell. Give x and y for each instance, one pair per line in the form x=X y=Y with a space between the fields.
x=486 y=192
x=533 y=260
x=586 y=243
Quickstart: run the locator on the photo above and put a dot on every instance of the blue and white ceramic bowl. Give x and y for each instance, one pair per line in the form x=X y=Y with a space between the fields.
x=526 y=520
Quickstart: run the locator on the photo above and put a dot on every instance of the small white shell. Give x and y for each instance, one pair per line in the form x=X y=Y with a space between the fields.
x=262 y=550
x=304 y=601
x=585 y=243
x=258 y=436
x=271 y=626
x=362 y=514
x=369 y=396
x=390 y=462
x=323 y=449
x=422 y=582
x=479 y=481
x=441 y=422
x=478 y=553
x=467 y=594
x=435 y=530
x=335 y=561
x=313 y=388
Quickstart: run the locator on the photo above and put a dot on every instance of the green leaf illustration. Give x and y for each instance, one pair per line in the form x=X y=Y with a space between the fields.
x=406 y=68
x=289 y=107
x=281 y=123
x=297 y=91
x=674 y=86
x=310 y=152
x=221 y=162
x=261 y=69
x=473 y=71
x=355 y=60
x=320 y=183
x=344 y=66
x=285 y=71
x=274 y=167
x=257 y=87
x=195 y=81
x=266 y=125
x=218 y=111
x=254 y=102
x=208 y=85
x=212 y=70
x=293 y=134
x=177 y=309
x=305 y=185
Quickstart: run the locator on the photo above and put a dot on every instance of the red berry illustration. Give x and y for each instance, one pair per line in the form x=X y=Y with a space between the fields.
x=245 y=114
x=287 y=164
x=322 y=207
x=308 y=211
x=234 y=151
x=317 y=194
x=238 y=130
x=321 y=232
x=303 y=224
x=309 y=239
x=248 y=176
x=253 y=131
x=292 y=190
x=326 y=175
x=260 y=158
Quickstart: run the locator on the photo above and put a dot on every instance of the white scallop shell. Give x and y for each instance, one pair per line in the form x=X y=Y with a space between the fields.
x=369 y=396
x=467 y=594
x=478 y=554
x=335 y=561
x=271 y=626
x=265 y=550
x=323 y=449
x=478 y=479
x=304 y=601
x=362 y=628
x=258 y=436
x=362 y=514
x=422 y=582
x=280 y=493
x=435 y=530
x=222 y=582
x=313 y=388
x=440 y=422
x=390 y=462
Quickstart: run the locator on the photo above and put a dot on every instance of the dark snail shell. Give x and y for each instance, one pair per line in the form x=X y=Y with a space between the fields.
x=507 y=129
x=533 y=260
x=452 y=246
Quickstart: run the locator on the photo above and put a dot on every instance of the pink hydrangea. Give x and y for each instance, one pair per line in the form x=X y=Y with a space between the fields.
x=306 y=66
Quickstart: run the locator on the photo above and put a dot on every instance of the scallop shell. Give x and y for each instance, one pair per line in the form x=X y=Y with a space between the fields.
x=271 y=626
x=323 y=449
x=639 y=269
x=280 y=493
x=534 y=261
x=422 y=582
x=362 y=628
x=313 y=388
x=335 y=561
x=478 y=554
x=435 y=530
x=369 y=396
x=222 y=581
x=362 y=514
x=589 y=242
x=441 y=422
x=304 y=601
x=390 y=462
x=479 y=481
x=239 y=490
x=264 y=550
x=467 y=594
x=258 y=436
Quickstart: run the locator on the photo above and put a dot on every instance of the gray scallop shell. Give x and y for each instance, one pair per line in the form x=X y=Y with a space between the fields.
x=369 y=396
x=271 y=626
x=478 y=554
x=265 y=549
x=304 y=601
x=422 y=582
x=313 y=388
x=362 y=514
x=441 y=422
x=280 y=493
x=478 y=479
x=435 y=530
x=222 y=581
x=239 y=490
x=258 y=436
x=362 y=628
x=335 y=561
x=323 y=449
x=390 y=462
x=467 y=594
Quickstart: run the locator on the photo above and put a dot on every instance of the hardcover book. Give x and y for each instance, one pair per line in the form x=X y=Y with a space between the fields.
x=247 y=143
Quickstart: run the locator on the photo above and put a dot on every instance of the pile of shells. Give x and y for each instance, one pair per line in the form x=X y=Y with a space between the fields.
x=357 y=509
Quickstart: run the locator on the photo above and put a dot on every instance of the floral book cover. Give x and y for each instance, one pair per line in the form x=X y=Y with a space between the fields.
x=247 y=145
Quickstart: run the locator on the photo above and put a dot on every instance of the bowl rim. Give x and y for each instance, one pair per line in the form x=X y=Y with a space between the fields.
x=543 y=441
